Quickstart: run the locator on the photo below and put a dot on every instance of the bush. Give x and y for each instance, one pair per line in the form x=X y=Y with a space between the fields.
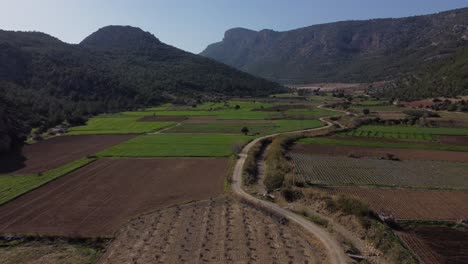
x=365 y=111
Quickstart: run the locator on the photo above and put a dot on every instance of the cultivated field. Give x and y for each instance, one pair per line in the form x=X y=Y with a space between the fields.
x=118 y=125
x=177 y=145
x=97 y=199
x=253 y=129
x=216 y=231
x=368 y=152
x=412 y=130
x=380 y=143
x=52 y=153
x=434 y=245
x=406 y=204
x=321 y=169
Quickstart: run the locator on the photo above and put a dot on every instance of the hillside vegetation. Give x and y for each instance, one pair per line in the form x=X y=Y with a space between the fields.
x=115 y=68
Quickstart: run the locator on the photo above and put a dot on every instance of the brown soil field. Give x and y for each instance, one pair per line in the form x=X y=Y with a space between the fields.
x=434 y=245
x=97 y=199
x=162 y=119
x=405 y=204
x=219 y=230
x=57 y=151
x=454 y=140
x=403 y=154
x=213 y=120
x=419 y=103
x=391 y=115
x=278 y=108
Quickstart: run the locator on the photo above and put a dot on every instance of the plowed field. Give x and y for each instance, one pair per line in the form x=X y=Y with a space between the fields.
x=411 y=204
x=215 y=231
x=57 y=151
x=97 y=199
x=328 y=170
x=434 y=245
x=403 y=154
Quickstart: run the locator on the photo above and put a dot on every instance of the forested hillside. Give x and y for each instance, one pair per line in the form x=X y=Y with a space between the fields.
x=115 y=68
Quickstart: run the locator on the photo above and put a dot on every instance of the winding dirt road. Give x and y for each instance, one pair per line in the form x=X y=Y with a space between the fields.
x=336 y=254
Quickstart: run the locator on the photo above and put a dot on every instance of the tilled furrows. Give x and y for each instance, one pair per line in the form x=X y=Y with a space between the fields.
x=216 y=231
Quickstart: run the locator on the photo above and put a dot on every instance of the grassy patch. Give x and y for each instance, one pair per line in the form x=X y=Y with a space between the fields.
x=118 y=125
x=377 y=144
x=14 y=186
x=314 y=218
x=178 y=145
x=260 y=128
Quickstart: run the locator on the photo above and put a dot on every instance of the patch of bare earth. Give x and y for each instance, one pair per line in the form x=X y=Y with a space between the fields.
x=96 y=200
x=403 y=154
x=213 y=120
x=433 y=245
x=219 y=230
x=52 y=153
x=406 y=204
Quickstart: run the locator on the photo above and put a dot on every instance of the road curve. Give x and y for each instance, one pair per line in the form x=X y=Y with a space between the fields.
x=335 y=252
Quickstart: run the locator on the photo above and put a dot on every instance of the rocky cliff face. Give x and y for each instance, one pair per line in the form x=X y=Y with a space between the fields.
x=344 y=51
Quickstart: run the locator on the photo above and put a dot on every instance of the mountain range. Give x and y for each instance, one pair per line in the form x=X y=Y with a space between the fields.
x=347 y=51
x=44 y=81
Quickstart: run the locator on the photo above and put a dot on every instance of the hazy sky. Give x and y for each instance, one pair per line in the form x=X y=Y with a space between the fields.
x=193 y=24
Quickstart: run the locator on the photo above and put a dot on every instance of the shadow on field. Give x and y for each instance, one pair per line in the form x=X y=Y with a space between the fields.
x=11 y=162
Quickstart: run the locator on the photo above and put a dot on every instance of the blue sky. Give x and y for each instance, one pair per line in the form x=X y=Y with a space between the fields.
x=193 y=24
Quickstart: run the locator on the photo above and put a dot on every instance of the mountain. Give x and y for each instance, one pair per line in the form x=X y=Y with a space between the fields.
x=115 y=68
x=347 y=51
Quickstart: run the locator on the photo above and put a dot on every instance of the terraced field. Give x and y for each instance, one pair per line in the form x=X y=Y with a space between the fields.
x=215 y=231
x=351 y=171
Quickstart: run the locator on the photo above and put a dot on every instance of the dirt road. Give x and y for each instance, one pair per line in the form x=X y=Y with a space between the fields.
x=336 y=254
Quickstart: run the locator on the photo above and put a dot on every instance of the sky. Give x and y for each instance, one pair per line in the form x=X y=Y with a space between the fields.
x=191 y=25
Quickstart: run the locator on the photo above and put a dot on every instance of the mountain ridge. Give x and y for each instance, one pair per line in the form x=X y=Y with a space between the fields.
x=345 y=50
x=115 y=68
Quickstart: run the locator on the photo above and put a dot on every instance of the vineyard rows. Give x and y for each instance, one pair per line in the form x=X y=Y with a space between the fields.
x=331 y=170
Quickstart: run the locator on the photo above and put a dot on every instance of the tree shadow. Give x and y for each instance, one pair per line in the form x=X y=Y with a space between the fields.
x=11 y=162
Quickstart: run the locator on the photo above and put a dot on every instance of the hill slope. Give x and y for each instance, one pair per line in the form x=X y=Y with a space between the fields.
x=115 y=68
x=348 y=51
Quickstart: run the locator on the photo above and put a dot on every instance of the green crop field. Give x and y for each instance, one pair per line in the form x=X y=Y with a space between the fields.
x=416 y=130
x=380 y=144
x=118 y=125
x=12 y=186
x=177 y=145
x=315 y=113
x=235 y=128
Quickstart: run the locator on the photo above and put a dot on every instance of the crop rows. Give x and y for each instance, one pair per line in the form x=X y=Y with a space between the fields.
x=391 y=135
x=215 y=231
x=350 y=171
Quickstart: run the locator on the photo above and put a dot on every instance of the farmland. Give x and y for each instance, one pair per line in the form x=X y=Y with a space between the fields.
x=405 y=204
x=370 y=152
x=118 y=125
x=253 y=129
x=434 y=244
x=365 y=142
x=214 y=231
x=52 y=153
x=415 y=130
x=177 y=145
x=95 y=200
x=330 y=170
